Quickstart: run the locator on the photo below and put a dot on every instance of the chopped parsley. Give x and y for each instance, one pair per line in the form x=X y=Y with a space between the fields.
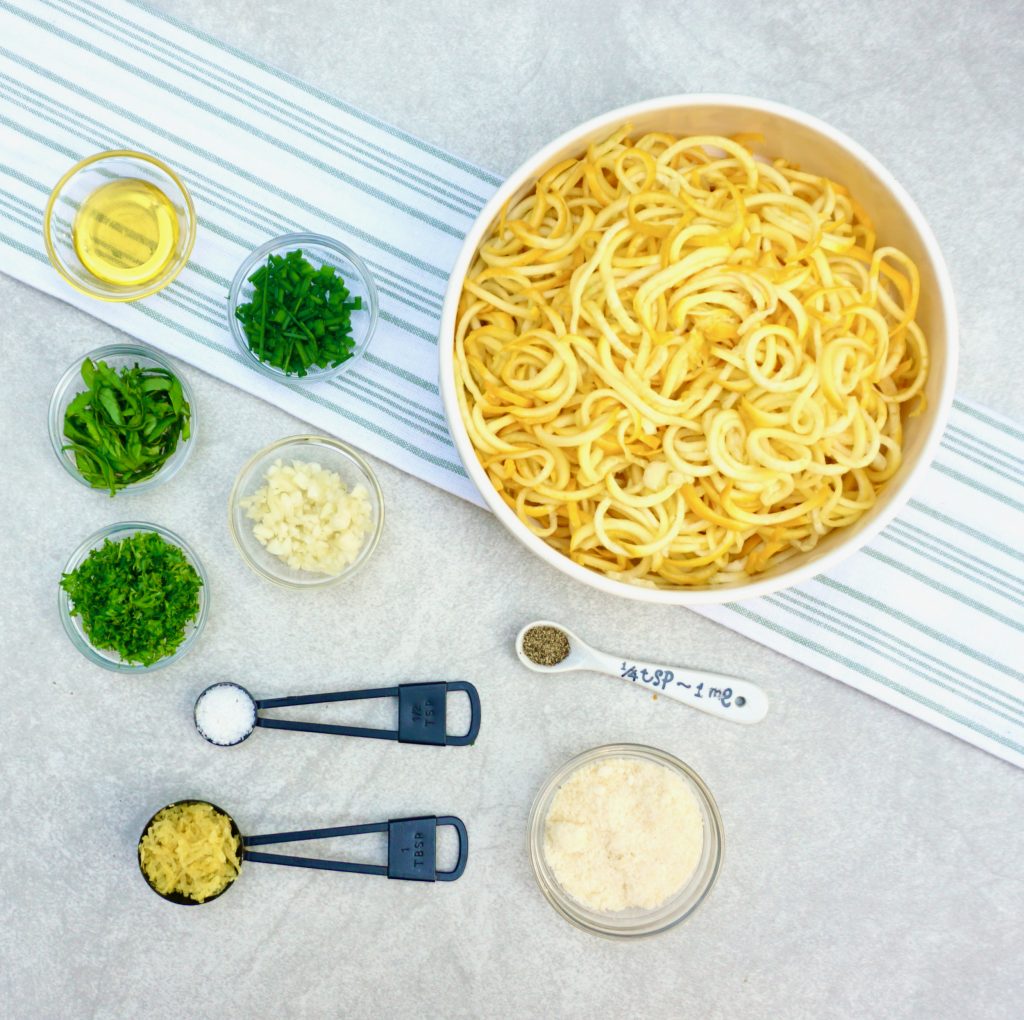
x=135 y=596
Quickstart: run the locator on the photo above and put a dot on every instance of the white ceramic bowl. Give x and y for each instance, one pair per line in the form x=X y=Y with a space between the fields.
x=816 y=147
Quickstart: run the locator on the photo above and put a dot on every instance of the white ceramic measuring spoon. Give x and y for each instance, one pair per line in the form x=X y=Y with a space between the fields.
x=727 y=697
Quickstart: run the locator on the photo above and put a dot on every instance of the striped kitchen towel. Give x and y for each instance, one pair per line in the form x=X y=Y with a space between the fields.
x=928 y=618
x=262 y=155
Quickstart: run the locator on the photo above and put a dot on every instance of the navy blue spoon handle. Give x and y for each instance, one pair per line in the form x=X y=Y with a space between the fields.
x=412 y=849
x=422 y=713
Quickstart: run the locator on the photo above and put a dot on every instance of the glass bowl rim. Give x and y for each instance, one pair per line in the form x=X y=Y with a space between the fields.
x=82 y=643
x=562 y=902
x=171 y=466
x=301 y=237
x=81 y=165
x=308 y=440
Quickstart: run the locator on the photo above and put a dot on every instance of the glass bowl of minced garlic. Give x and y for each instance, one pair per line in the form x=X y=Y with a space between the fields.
x=306 y=512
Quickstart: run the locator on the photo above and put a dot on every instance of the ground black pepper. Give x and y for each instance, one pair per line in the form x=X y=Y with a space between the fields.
x=546 y=646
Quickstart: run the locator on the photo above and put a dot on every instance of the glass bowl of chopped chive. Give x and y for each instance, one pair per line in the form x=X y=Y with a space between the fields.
x=302 y=307
x=133 y=597
x=306 y=512
x=122 y=420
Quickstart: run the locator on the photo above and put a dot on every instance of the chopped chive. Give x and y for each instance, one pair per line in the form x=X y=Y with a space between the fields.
x=300 y=316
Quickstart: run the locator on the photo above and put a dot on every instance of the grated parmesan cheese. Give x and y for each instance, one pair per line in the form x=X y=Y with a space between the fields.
x=623 y=834
x=190 y=849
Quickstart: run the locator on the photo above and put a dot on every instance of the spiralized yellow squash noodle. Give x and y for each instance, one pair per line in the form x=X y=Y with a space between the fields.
x=681 y=365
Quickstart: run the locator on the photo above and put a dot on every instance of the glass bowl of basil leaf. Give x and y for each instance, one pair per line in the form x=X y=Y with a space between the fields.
x=303 y=308
x=122 y=420
x=133 y=597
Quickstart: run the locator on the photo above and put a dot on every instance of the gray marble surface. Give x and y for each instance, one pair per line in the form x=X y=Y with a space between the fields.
x=873 y=864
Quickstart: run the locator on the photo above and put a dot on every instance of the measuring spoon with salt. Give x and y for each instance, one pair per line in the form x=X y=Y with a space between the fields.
x=727 y=697
x=226 y=713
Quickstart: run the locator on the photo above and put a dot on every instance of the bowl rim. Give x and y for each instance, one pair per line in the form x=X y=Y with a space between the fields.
x=898 y=490
x=124 y=528
x=307 y=440
x=562 y=902
x=132 y=295
x=302 y=237
x=170 y=467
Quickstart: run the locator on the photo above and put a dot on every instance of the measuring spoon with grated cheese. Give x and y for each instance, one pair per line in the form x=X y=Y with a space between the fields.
x=547 y=647
x=411 y=850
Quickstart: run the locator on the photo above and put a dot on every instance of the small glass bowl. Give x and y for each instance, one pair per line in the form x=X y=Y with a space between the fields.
x=329 y=453
x=635 y=923
x=80 y=182
x=318 y=250
x=117 y=356
x=73 y=625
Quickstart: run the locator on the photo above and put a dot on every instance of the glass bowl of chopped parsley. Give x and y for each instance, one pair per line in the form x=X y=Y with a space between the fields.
x=133 y=597
x=122 y=420
x=302 y=307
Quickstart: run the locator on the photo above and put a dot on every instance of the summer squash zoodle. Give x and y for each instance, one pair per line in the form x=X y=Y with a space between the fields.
x=681 y=364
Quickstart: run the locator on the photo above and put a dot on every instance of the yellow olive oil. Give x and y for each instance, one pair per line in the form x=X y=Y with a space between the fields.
x=126 y=232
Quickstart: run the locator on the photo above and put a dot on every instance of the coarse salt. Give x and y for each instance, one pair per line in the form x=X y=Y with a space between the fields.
x=225 y=714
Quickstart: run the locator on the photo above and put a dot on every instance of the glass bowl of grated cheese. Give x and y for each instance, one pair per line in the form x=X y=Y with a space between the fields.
x=625 y=840
x=306 y=512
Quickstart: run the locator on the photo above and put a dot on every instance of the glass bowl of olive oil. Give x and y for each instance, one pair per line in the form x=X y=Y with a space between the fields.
x=119 y=226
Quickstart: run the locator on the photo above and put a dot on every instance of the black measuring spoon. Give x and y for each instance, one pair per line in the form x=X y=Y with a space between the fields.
x=412 y=850
x=422 y=713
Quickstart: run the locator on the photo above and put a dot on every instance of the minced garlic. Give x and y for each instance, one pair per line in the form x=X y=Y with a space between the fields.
x=623 y=833
x=305 y=515
x=190 y=849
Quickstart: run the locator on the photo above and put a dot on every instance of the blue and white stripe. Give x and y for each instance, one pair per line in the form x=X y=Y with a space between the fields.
x=262 y=154
x=929 y=617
